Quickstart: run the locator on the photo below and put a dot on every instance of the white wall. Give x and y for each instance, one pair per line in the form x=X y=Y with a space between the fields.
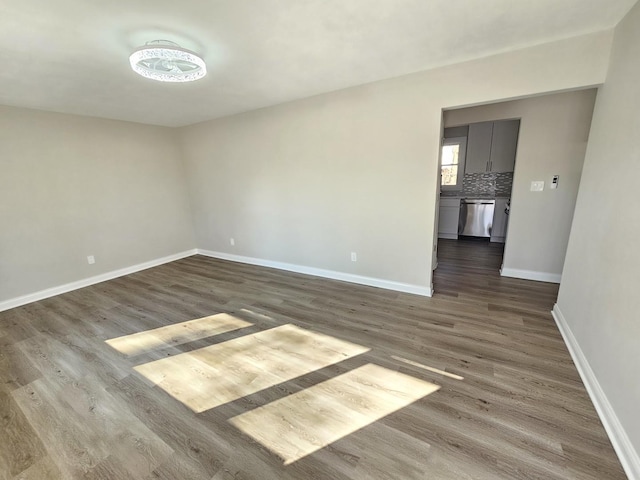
x=357 y=170
x=599 y=292
x=553 y=139
x=74 y=186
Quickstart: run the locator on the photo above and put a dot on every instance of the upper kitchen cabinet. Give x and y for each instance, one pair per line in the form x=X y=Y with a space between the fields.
x=491 y=146
x=503 y=146
x=479 y=147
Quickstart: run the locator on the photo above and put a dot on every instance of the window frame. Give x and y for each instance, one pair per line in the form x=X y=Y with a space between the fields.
x=462 y=156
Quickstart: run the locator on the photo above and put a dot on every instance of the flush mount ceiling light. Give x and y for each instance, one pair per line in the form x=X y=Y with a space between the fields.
x=167 y=61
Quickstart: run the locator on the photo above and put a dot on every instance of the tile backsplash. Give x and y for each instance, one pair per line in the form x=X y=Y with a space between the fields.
x=489 y=184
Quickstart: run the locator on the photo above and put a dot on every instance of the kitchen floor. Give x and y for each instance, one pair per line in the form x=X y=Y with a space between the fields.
x=465 y=258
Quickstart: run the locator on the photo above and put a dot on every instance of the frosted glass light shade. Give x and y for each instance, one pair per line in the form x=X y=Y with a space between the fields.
x=167 y=63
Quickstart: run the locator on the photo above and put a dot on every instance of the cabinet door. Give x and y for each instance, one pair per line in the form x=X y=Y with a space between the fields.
x=448 y=218
x=478 y=147
x=503 y=145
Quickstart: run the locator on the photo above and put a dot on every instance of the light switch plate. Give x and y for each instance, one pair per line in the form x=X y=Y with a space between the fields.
x=537 y=186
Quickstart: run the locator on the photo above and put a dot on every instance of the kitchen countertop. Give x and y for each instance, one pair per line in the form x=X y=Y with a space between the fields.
x=460 y=196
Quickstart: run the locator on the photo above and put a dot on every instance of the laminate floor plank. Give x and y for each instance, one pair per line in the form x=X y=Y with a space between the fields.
x=16 y=370
x=42 y=469
x=192 y=440
x=20 y=446
x=91 y=381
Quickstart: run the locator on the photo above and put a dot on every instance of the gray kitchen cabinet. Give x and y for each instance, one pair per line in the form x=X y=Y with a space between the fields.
x=448 y=218
x=491 y=146
x=478 y=147
x=503 y=146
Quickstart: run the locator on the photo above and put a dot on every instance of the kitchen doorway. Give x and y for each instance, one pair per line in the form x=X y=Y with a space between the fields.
x=476 y=178
x=534 y=194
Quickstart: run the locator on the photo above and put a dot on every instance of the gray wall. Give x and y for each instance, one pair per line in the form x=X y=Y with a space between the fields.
x=599 y=291
x=553 y=139
x=74 y=186
x=310 y=181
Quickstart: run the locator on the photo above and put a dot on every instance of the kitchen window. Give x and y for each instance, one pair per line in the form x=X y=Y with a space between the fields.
x=452 y=163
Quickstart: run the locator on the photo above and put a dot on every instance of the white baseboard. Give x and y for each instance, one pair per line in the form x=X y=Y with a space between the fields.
x=531 y=275
x=626 y=453
x=318 y=272
x=50 y=292
x=345 y=277
x=449 y=236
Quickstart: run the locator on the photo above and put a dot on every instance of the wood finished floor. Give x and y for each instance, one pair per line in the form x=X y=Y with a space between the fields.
x=74 y=406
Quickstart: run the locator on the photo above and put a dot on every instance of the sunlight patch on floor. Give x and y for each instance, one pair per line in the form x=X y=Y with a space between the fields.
x=214 y=375
x=300 y=424
x=427 y=367
x=176 y=334
x=259 y=317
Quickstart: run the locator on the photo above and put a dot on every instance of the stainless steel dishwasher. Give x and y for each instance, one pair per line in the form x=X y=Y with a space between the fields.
x=476 y=217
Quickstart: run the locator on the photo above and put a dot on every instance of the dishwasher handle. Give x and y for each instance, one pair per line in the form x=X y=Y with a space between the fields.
x=479 y=202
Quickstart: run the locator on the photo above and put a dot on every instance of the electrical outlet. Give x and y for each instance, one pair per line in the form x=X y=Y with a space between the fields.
x=354 y=257
x=232 y=242
x=91 y=259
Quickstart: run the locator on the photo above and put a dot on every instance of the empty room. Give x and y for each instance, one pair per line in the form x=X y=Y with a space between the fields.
x=320 y=239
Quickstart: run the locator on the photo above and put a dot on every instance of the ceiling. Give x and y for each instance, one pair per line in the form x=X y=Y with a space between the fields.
x=72 y=56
